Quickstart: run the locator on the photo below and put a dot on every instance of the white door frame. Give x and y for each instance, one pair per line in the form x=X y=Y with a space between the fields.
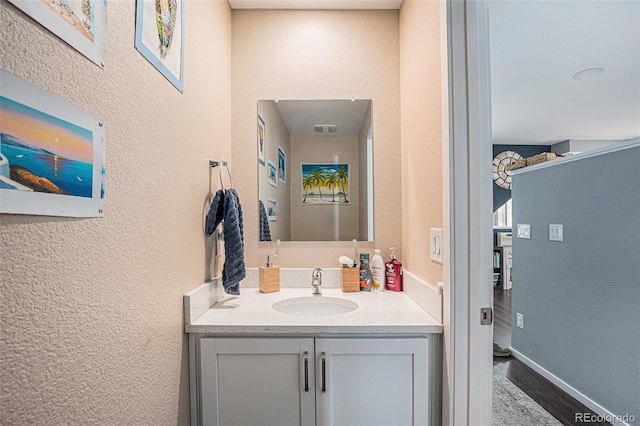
x=467 y=207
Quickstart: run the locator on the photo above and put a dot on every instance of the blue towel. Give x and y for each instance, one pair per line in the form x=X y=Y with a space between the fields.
x=226 y=207
x=216 y=212
x=265 y=231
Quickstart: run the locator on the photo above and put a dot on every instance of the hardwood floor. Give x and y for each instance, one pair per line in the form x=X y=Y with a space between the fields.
x=558 y=403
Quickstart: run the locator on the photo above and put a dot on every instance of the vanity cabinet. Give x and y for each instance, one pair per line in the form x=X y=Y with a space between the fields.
x=316 y=381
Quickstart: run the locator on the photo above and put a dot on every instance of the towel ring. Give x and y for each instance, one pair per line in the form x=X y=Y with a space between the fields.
x=214 y=163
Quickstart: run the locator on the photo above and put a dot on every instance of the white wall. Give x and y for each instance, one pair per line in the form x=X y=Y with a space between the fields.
x=91 y=309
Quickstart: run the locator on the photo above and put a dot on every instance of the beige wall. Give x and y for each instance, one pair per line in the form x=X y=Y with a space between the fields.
x=321 y=222
x=91 y=309
x=421 y=127
x=295 y=54
x=276 y=134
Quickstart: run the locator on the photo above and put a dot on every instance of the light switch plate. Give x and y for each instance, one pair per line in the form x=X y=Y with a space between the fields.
x=520 y=320
x=524 y=231
x=555 y=232
x=435 y=244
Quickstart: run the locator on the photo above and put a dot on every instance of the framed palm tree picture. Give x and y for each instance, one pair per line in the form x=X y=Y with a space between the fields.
x=325 y=183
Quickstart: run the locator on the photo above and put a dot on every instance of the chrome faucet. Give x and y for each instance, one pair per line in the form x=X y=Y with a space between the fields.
x=316 y=281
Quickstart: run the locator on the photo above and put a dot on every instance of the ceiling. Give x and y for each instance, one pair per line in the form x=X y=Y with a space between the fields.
x=300 y=117
x=537 y=46
x=315 y=4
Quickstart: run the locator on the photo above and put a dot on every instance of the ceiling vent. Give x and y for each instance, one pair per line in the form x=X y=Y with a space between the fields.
x=326 y=129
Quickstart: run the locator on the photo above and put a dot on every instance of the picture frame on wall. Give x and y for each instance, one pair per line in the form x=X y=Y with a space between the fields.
x=52 y=156
x=272 y=209
x=80 y=24
x=262 y=140
x=160 y=37
x=325 y=184
x=272 y=172
x=282 y=165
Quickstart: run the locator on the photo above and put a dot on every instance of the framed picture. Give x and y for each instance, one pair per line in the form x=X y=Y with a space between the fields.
x=282 y=165
x=262 y=140
x=51 y=153
x=160 y=37
x=82 y=24
x=325 y=183
x=272 y=209
x=271 y=173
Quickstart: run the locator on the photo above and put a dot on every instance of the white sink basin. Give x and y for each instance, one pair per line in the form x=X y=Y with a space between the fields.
x=314 y=306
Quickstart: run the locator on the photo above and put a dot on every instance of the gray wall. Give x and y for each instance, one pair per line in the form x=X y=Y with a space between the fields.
x=501 y=195
x=581 y=298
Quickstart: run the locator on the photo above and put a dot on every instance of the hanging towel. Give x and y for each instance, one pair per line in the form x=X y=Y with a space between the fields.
x=234 y=269
x=216 y=212
x=226 y=207
x=265 y=232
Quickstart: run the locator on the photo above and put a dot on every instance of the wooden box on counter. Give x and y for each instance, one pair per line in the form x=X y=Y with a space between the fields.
x=269 y=279
x=350 y=279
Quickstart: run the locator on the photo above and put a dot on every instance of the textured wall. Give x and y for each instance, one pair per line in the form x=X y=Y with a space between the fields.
x=580 y=297
x=91 y=309
x=421 y=134
x=311 y=54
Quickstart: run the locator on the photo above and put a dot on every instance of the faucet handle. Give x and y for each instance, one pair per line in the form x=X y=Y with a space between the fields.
x=317 y=273
x=316 y=280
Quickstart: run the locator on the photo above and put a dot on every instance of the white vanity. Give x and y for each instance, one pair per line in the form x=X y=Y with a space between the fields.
x=252 y=365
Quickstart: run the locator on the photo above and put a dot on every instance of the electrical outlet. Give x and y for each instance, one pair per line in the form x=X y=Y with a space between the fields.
x=520 y=320
x=524 y=231
x=555 y=232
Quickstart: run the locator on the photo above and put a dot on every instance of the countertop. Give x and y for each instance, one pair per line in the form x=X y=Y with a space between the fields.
x=383 y=313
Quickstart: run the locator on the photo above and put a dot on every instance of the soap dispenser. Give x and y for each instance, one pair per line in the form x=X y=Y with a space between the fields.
x=269 y=277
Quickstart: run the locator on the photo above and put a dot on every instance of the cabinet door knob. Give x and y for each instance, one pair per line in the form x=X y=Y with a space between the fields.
x=306 y=371
x=323 y=359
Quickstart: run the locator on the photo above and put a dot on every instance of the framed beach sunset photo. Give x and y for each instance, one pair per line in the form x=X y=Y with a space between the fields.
x=325 y=183
x=82 y=24
x=51 y=154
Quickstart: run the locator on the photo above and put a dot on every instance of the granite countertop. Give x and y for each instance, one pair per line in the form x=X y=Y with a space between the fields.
x=384 y=313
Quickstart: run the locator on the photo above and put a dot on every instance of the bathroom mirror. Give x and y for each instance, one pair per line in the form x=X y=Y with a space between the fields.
x=315 y=170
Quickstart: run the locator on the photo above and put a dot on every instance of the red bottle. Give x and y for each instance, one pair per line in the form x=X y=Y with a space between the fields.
x=393 y=273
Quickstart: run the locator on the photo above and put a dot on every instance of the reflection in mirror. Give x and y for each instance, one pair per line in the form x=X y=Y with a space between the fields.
x=315 y=170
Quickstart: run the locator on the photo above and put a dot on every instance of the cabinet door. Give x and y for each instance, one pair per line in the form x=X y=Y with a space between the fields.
x=257 y=382
x=370 y=382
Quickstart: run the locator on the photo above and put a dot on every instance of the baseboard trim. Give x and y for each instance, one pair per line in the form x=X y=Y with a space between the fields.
x=590 y=403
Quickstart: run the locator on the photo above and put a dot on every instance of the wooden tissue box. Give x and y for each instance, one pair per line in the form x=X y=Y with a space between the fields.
x=269 y=279
x=350 y=279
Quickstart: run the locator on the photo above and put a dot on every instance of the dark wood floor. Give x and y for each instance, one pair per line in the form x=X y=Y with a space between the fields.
x=558 y=403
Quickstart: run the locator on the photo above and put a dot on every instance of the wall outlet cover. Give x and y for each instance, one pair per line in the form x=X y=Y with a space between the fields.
x=555 y=232
x=524 y=231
